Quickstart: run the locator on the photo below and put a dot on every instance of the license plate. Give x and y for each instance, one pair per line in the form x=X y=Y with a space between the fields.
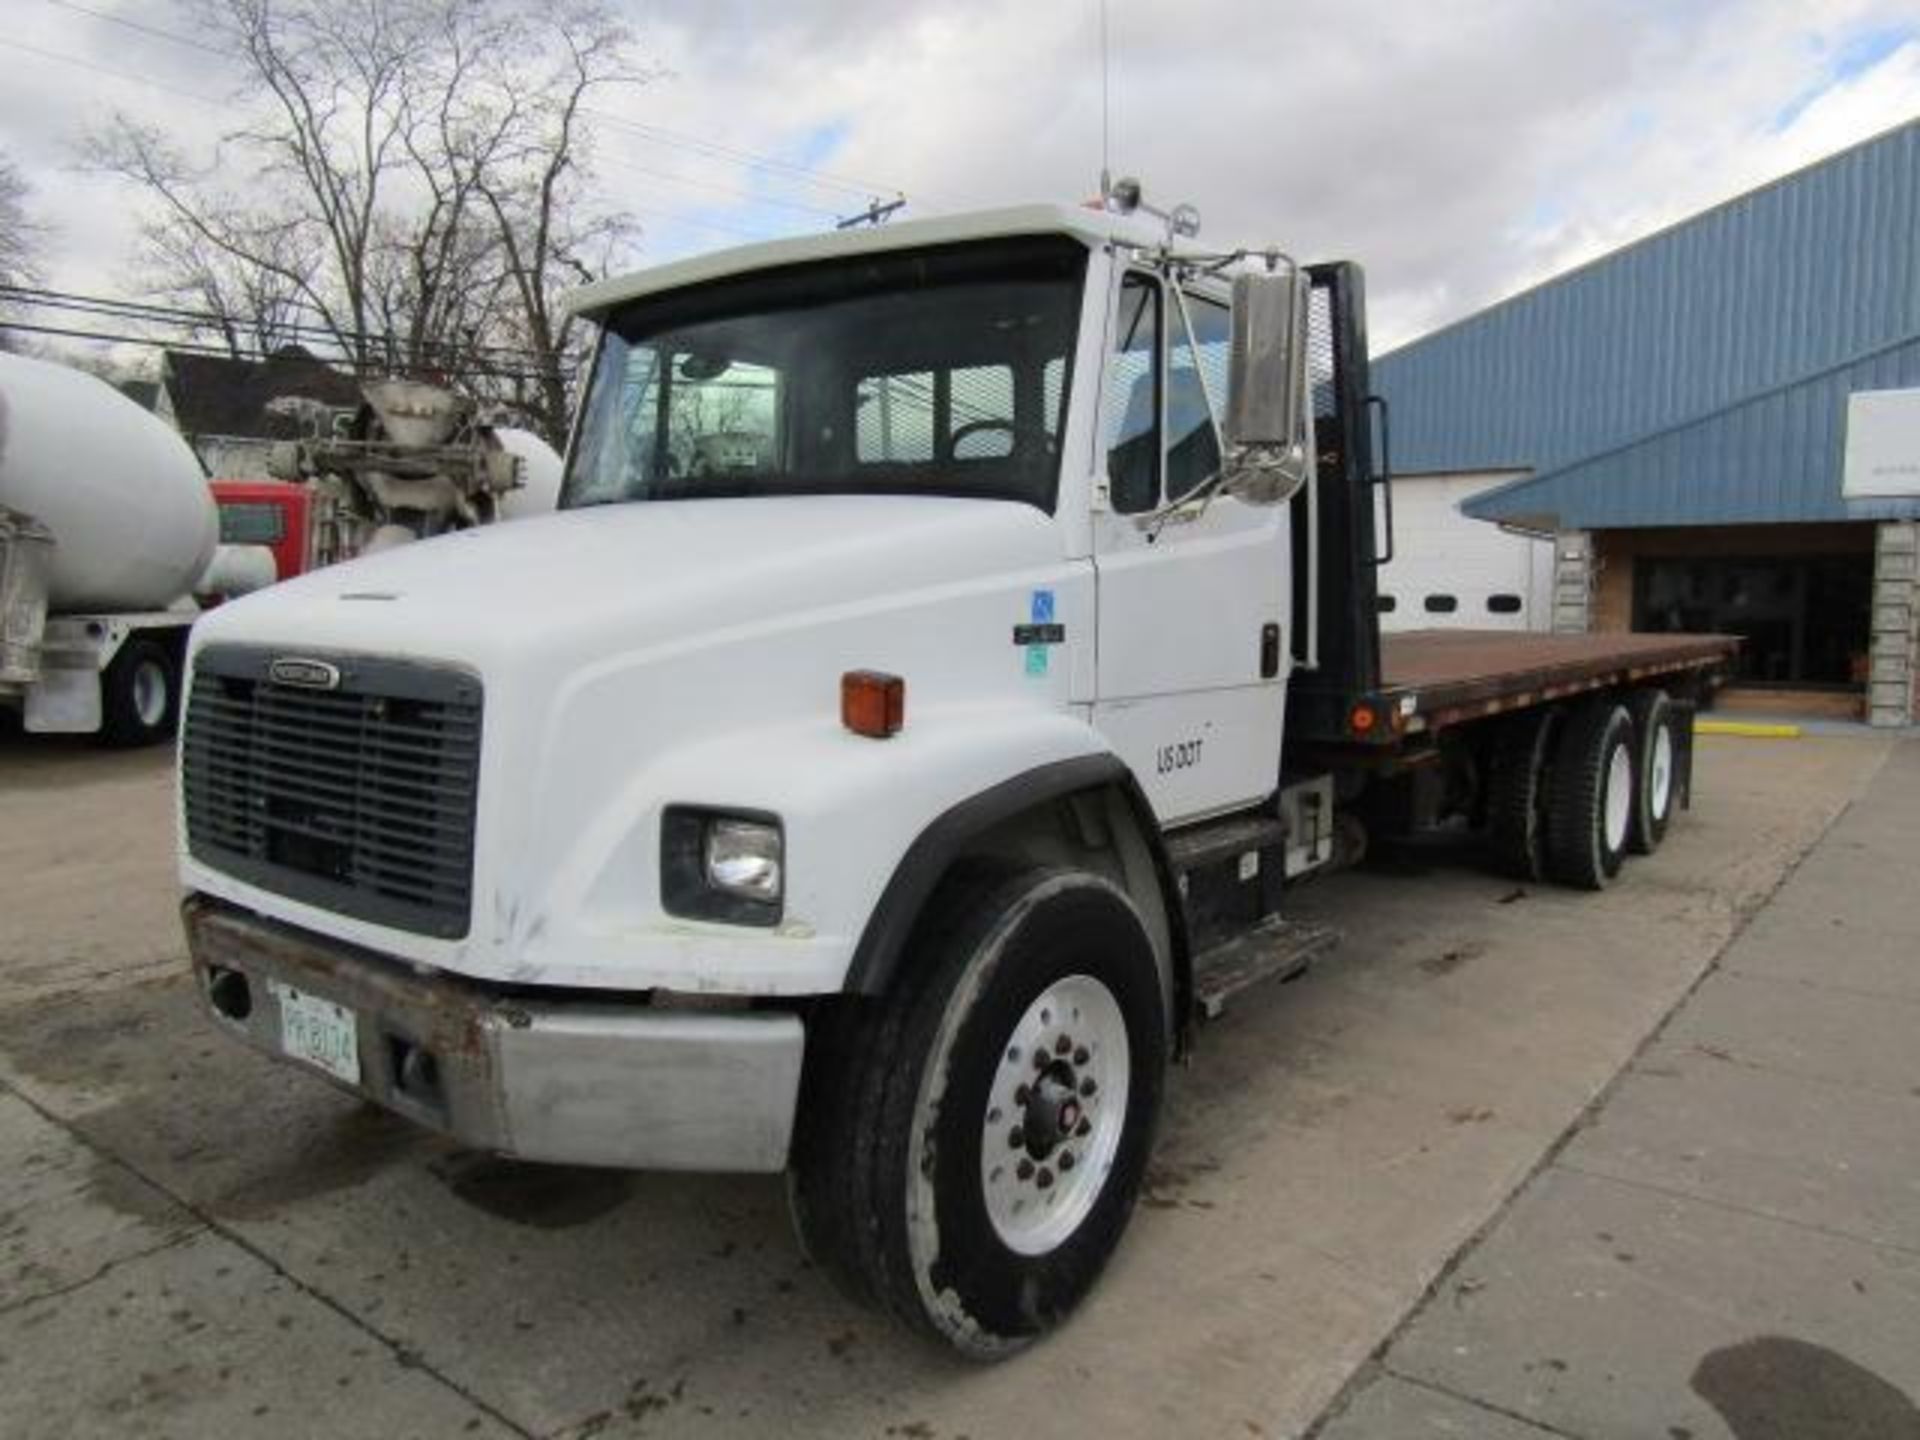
x=319 y=1032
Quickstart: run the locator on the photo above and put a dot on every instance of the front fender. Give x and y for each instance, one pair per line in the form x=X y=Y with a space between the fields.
x=852 y=810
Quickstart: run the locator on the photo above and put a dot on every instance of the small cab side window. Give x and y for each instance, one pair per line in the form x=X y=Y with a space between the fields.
x=1133 y=399
x=1503 y=604
x=1442 y=604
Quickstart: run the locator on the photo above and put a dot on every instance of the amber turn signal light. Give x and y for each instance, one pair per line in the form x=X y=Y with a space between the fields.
x=873 y=703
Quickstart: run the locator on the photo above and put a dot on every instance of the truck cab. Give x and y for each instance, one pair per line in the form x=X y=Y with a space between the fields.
x=902 y=731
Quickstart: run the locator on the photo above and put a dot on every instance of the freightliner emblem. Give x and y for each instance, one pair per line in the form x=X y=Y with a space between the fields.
x=307 y=674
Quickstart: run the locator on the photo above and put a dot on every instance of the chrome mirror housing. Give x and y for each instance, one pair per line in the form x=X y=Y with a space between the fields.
x=1265 y=424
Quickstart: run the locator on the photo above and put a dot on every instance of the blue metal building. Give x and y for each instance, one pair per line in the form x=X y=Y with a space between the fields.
x=1682 y=403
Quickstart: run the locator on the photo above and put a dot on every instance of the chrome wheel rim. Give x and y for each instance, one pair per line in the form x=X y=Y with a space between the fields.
x=1054 y=1115
x=1619 y=804
x=150 y=693
x=1660 y=778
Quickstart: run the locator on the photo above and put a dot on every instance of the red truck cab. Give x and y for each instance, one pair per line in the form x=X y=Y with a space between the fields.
x=272 y=513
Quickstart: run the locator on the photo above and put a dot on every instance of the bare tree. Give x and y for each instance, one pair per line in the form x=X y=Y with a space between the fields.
x=20 y=235
x=415 y=185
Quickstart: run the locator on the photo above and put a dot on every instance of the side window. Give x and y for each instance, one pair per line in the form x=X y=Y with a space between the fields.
x=1503 y=604
x=895 y=419
x=1133 y=399
x=252 y=522
x=1196 y=368
x=1442 y=604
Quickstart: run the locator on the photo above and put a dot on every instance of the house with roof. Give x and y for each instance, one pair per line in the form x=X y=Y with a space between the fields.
x=1675 y=416
x=224 y=406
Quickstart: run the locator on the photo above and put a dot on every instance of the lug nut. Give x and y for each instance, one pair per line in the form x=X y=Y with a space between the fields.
x=1087 y=1087
x=1019 y=1094
x=1017 y=1137
x=1081 y=1056
x=1024 y=1170
x=1086 y=1129
x=1044 y=1179
x=1066 y=1160
x=1062 y=1045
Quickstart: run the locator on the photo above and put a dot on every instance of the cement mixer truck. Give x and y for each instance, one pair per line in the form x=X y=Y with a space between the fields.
x=415 y=460
x=106 y=527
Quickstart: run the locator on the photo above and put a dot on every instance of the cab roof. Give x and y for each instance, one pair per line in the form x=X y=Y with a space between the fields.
x=1091 y=227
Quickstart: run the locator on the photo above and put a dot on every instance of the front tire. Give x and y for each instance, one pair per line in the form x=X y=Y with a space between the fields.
x=972 y=1144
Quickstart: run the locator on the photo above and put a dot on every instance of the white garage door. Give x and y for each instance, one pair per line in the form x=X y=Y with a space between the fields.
x=1453 y=572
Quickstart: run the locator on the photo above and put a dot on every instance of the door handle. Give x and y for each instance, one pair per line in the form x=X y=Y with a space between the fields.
x=1269 y=650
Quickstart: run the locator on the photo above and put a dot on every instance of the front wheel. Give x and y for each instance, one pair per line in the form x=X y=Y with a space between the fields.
x=972 y=1144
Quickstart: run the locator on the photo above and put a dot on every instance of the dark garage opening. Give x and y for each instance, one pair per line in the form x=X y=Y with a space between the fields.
x=1804 y=619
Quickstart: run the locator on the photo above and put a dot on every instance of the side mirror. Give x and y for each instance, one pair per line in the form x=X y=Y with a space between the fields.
x=1265 y=427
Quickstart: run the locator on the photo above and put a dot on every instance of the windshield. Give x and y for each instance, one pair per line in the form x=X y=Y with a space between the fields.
x=941 y=371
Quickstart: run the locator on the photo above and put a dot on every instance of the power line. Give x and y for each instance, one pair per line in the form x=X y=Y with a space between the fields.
x=620 y=162
x=198 y=347
x=658 y=134
x=623 y=163
x=146 y=312
x=97 y=69
x=154 y=30
x=754 y=160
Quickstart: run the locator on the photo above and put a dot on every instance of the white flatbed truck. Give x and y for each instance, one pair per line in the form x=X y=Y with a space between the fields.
x=954 y=639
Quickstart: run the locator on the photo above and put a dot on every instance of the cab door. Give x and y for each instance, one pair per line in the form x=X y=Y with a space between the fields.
x=1190 y=684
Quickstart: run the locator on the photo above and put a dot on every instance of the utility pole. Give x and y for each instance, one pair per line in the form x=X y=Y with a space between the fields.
x=876 y=213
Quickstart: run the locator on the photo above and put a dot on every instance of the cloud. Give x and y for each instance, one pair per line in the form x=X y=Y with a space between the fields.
x=1459 y=151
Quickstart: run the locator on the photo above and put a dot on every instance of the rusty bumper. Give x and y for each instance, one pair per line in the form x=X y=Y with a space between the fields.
x=568 y=1080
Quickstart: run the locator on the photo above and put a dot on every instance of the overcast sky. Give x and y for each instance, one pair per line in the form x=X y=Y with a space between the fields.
x=1460 y=150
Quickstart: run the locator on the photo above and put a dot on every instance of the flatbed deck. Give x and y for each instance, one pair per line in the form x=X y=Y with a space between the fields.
x=1434 y=678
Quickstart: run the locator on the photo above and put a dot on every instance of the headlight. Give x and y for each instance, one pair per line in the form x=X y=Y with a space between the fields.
x=743 y=858
x=722 y=865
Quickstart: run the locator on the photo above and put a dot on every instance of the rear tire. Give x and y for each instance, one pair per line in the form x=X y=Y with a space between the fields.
x=1591 y=811
x=139 y=695
x=917 y=1183
x=1518 y=790
x=1656 y=752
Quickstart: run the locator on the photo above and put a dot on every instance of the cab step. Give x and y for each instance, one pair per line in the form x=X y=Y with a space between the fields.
x=1275 y=950
x=1209 y=844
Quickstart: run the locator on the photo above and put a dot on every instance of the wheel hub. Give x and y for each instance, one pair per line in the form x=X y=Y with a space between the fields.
x=1054 y=1114
x=1053 y=1111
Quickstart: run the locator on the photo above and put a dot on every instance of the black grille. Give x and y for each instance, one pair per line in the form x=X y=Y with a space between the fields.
x=359 y=798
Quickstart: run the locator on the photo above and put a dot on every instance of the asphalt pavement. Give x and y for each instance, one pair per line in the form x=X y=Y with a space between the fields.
x=1401 y=1186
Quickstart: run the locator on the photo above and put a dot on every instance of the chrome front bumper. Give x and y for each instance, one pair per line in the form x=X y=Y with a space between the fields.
x=572 y=1081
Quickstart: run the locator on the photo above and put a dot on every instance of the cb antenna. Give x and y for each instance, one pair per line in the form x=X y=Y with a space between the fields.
x=1106 y=172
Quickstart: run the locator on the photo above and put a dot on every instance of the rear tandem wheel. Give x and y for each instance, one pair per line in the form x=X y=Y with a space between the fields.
x=1519 y=787
x=1591 y=814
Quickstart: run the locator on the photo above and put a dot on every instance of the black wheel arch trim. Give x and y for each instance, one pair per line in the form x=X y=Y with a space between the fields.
x=876 y=960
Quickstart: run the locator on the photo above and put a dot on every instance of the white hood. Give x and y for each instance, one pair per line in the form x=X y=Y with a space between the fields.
x=639 y=573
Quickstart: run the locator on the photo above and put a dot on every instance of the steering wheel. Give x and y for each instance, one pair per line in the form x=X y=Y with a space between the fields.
x=1017 y=438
